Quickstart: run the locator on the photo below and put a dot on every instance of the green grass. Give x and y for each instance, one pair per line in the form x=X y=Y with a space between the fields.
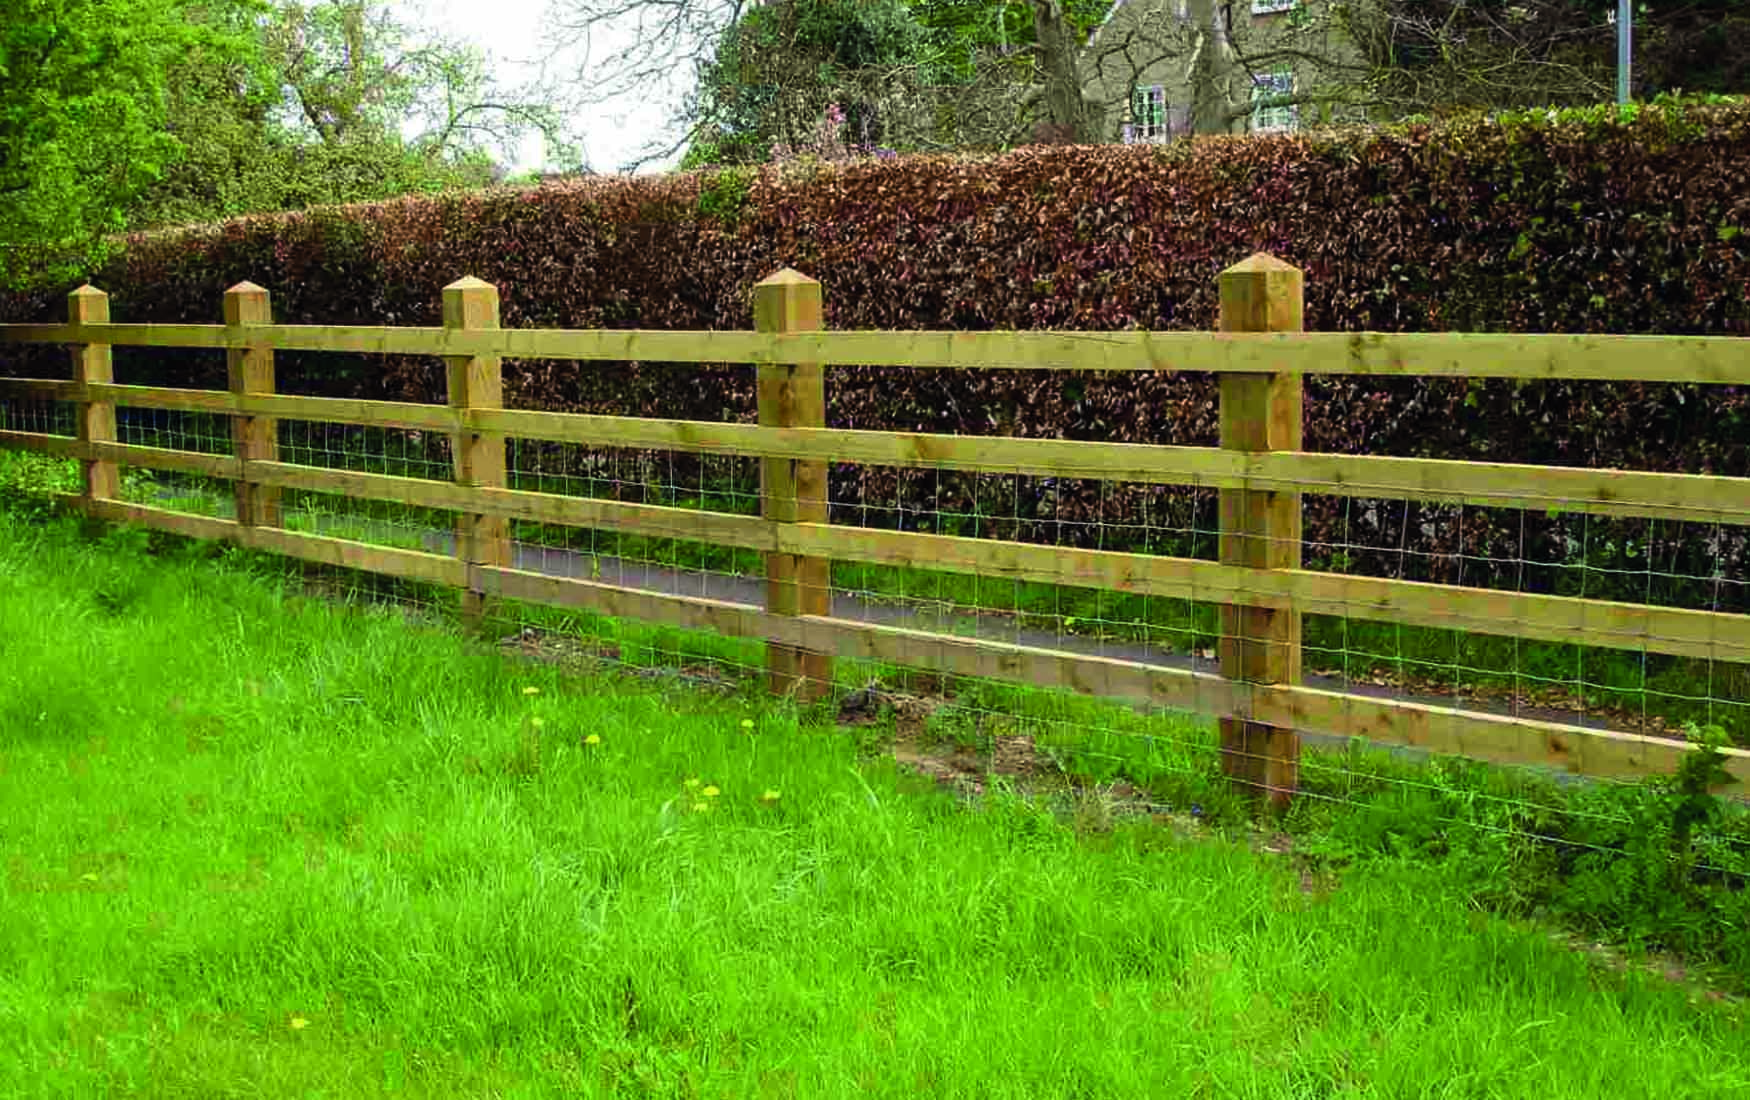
x=1616 y=863
x=255 y=844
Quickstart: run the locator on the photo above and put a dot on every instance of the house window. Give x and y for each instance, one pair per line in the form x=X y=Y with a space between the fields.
x=1266 y=7
x=1148 y=114
x=1269 y=111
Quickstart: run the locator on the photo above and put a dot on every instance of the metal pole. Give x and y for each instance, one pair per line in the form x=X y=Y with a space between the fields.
x=1625 y=33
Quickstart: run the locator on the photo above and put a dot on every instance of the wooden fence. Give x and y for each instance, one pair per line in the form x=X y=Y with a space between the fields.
x=1259 y=351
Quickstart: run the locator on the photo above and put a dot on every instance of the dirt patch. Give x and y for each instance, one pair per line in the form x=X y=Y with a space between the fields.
x=582 y=655
x=549 y=647
x=1699 y=986
x=996 y=753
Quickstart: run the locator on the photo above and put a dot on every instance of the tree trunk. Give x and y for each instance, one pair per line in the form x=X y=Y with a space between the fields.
x=1066 y=108
x=1211 y=69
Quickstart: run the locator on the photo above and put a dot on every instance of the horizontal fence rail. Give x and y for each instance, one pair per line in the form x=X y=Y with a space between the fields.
x=1260 y=471
x=1681 y=632
x=1694 y=497
x=1705 y=359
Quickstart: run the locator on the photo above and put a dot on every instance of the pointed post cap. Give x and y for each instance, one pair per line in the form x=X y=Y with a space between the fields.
x=470 y=303
x=469 y=282
x=88 y=305
x=787 y=276
x=1262 y=294
x=1259 y=262
x=787 y=301
x=247 y=304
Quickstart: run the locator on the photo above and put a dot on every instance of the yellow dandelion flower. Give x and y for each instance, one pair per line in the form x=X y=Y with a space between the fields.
x=711 y=792
x=536 y=722
x=299 y=1023
x=531 y=690
x=747 y=723
x=89 y=876
x=593 y=739
x=769 y=796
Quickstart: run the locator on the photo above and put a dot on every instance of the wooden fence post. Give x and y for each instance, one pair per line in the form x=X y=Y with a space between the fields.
x=476 y=382
x=256 y=438
x=93 y=364
x=1261 y=529
x=793 y=396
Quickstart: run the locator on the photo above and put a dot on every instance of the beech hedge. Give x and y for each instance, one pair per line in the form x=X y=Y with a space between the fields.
x=1611 y=220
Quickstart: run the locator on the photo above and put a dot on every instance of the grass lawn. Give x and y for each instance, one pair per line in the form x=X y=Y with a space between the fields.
x=257 y=845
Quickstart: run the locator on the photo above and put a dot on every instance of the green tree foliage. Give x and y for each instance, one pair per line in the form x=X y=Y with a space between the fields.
x=779 y=67
x=340 y=103
x=84 y=103
x=128 y=114
x=965 y=34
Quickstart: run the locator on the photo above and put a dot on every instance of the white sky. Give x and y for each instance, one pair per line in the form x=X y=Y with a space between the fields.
x=509 y=32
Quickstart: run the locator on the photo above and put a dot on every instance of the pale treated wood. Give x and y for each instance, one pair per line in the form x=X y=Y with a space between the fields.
x=375 y=414
x=1706 y=359
x=1103 y=677
x=735 y=620
x=643 y=519
x=1260 y=527
x=793 y=395
x=913 y=648
x=255 y=438
x=328 y=410
x=1695 y=497
x=1700 y=497
x=1704 y=634
x=163 y=519
x=322 y=549
x=153 y=397
x=93 y=365
x=38 y=389
x=1678 y=632
x=43 y=443
x=1675 y=631
x=1491 y=737
x=156 y=458
x=163 y=458
x=1496 y=738
x=476 y=382
x=720 y=528
x=388 y=560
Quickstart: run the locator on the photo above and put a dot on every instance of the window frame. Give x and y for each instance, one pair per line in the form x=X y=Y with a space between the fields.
x=1272 y=118
x=1149 y=118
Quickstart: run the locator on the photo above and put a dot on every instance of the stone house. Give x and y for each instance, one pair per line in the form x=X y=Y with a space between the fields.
x=1160 y=69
